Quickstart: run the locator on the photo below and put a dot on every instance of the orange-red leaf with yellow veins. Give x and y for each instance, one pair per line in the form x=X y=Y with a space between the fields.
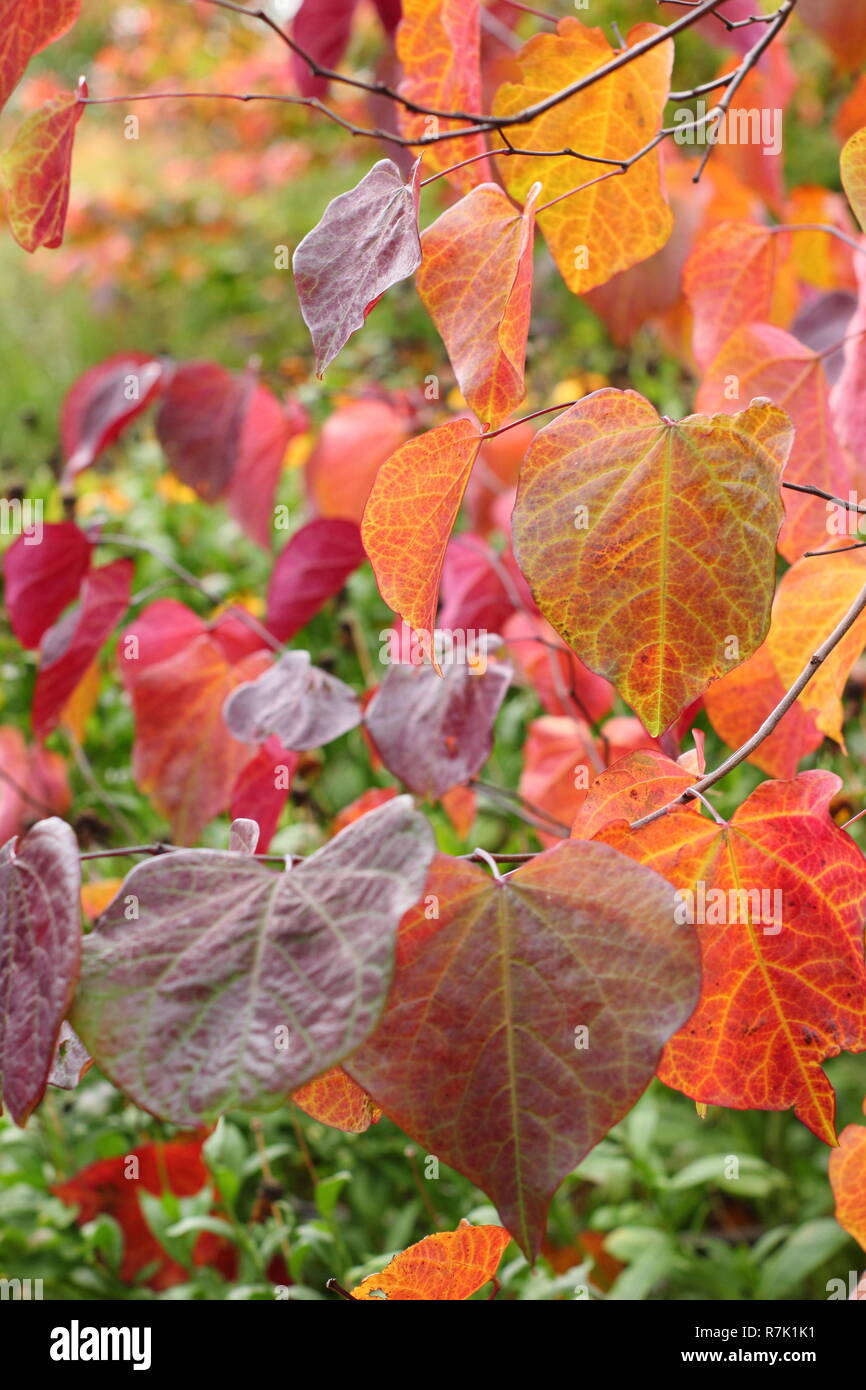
x=624 y=219
x=439 y=44
x=670 y=527
x=853 y=165
x=451 y=1265
x=482 y=1054
x=630 y=788
x=848 y=1181
x=784 y=980
x=760 y=360
x=35 y=172
x=26 y=27
x=476 y=281
x=812 y=597
x=335 y=1099
x=730 y=279
x=410 y=514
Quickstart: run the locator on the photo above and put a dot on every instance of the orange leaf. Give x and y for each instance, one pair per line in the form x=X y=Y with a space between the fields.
x=730 y=279
x=26 y=27
x=35 y=172
x=631 y=788
x=449 y=1266
x=615 y=223
x=438 y=43
x=556 y=768
x=778 y=896
x=410 y=513
x=848 y=1181
x=759 y=360
x=652 y=519
x=335 y=1099
x=476 y=281
x=96 y=896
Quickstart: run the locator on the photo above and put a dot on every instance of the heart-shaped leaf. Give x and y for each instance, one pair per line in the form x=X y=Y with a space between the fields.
x=40 y=948
x=526 y=1017
x=234 y=985
x=303 y=706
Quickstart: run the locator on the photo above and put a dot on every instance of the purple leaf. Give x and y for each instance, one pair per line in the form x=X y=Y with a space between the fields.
x=367 y=241
x=434 y=732
x=235 y=984
x=40 y=949
x=312 y=568
x=303 y=706
x=200 y=425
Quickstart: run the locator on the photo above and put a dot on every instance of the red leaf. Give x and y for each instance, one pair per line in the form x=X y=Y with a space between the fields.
x=112 y=1185
x=322 y=28
x=68 y=648
x=366 y=242
x=26 y=27
x=40 y=950
x=200 y=425
x=178 y=672
x=102 y=402
x=449 y=1266
x=268 y=426
x=312 y=568
x=32 y=780
x=35 y=172
x=262 y=788
x=42 y=578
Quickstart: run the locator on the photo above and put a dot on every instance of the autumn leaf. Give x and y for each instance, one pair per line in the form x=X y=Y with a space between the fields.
x=26 y=27
x=40 y=949
x=268 y=427
x=262 y=788
x=812 y=597
x=611 y=225
x=630 y=788
x=481 y=1055
x=42 y=574
x=354 y=442
x=848 y=1180
x=366 y=242
x=312 y=568
x=730 y=280
x=439 y=45
x=760 y=360
x=434 y=731
x=853 y=165
x=556 y=769
x=34 y=780
x=322 y=29
x=671 y=527
x=335 y=1099
x=212 y=998
x=69 y=647
x=304 y=706
x=102 y=402
x=113 y=1185
x=178 y=673
x=410 y=514
x=781 y=934
x=35 y=172
x=476 y=282
x=450 y=1265
x=200 y=422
